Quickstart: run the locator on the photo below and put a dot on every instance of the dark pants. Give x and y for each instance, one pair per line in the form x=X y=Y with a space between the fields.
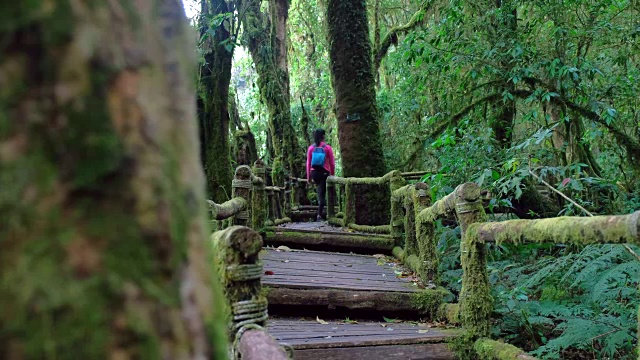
x=319 y=177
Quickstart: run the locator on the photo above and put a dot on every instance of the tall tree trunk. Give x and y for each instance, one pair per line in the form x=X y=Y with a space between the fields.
x=103 y=239
x=354 y=87
x=267 y=44
x=215 y=76
x=505 y=111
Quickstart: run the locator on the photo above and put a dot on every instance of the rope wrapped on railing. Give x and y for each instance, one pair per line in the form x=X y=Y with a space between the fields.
x=236 y=251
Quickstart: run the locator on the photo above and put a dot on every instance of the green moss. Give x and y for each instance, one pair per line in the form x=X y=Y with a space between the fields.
x=476 y=303
x=282 y=221
x=413 y=262
x=397 y=220
x=335 y=221
x=488 y=349
x=399 y=253
x=427 y=252
x=378 y=229
x=449 y=313
x=259 y=206
x=462 y=347
x=564 y=230
x=429 y=300
x=350 y=205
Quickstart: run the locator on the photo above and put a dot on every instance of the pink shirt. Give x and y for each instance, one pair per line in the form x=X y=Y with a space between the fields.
x=329 y=162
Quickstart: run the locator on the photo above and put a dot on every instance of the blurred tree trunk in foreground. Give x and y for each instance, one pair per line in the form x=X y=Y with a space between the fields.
x=103 y=243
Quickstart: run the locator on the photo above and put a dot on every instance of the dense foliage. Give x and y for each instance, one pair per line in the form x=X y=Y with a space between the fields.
x=504 y=93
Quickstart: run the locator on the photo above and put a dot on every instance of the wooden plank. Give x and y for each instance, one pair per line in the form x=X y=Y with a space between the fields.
x=309 y=334
x=301 y=284
x=315 y=270
x=351 y=299
x=400 y=352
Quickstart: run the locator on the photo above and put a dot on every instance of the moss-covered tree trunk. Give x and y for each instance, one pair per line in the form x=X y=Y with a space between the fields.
x=266 y=38
x=215 y=76
x=103 y=240
x=354 y=87
x=504 y=31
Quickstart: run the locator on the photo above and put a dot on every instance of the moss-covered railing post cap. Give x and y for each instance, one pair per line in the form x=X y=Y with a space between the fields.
x=468 y=191
x=243 y=172
x=242 y=239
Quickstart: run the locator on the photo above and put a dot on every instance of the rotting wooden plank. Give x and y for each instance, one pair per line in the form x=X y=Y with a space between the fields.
x=334 y=276
x=324 y=274
x=308 y=334
x=400 y=352
x=351 y=299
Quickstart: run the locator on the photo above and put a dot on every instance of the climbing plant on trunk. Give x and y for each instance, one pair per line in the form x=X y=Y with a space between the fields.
x=354 y=88
x=103 y=240
x=217 y=33
x=266 y=36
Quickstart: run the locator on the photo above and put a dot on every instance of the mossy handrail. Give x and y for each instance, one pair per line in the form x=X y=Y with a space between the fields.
x=236 y=253
x=465 y=203
x=252 y=202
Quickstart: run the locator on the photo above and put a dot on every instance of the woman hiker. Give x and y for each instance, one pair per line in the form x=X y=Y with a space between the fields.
x=320 y=164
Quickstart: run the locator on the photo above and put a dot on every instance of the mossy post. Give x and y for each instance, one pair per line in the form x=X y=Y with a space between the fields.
x=349 y=205
x=259 y=203
x=425 y=238
x=103 y=237
x=396 y=182
x=236 y=252
x=475 y=298
x=271 y=206
x=409 y=222
x=331 y=199
x=241 y=186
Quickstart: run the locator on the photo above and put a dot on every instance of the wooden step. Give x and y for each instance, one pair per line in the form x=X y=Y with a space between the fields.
x=369 y=340
x=313 y=278
x=438 y=351
x=321 y=236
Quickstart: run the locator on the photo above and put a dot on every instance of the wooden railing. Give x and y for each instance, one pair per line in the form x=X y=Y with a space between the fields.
x=254 y=203
x=236 y=250
x=465 y=205
x=342 y=194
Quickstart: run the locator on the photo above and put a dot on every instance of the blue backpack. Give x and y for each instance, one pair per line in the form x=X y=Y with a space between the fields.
x=317 y=157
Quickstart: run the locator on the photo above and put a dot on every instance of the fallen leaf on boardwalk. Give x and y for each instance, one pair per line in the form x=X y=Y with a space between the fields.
x=320 y=321
x=328 y=337
x=379 y=256
x=286 y=261
x=389 y=329
x=423 y=331
x=283 y=248
x=383 y=325
x=380 y=262
x=349 y=321
x=386 y=319
x=268 y=272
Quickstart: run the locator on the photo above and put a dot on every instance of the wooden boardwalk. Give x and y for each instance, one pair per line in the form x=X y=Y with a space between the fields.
x=305 y=282
x=301 y=277
x=313 y=269
x=340 y=340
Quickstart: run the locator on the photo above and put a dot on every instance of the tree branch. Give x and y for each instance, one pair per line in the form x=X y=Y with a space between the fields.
x=392 y=36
